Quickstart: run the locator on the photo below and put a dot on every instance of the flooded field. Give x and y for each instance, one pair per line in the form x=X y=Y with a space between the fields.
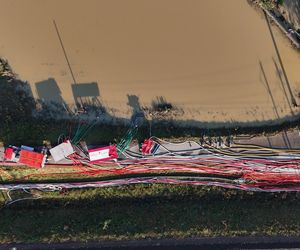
x=214 y=60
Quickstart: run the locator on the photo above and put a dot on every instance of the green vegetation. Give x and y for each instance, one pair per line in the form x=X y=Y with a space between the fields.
x=280 y=2
x=149 y=211
x=270 y=4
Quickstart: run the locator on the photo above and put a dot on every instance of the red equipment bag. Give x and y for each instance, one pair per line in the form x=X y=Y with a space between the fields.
x=32 y=159
x=8 y=154
x=147 y=145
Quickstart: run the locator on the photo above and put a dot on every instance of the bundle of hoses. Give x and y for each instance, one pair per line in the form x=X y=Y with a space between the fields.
x=246 y=167
x=82 y=129
x=269 y=171
x=126 y=140
x=130 y=134
x=174 y=180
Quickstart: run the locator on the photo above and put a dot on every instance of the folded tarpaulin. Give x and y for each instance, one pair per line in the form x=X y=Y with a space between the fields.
x=102 y=154
x=62 y=151
x=32 y=159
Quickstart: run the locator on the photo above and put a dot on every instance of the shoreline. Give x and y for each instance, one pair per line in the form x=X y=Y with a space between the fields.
x=104 y=133
x=109 y=128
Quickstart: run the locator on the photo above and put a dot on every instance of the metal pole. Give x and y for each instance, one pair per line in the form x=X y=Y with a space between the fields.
x=66 y=57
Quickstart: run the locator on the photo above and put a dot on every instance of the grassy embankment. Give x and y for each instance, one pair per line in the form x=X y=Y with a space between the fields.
x=149 y=211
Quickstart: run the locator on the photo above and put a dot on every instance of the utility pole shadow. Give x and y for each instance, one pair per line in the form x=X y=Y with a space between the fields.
x=284 y=135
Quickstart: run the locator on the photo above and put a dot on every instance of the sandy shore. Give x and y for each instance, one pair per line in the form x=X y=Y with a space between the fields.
x=201 y=56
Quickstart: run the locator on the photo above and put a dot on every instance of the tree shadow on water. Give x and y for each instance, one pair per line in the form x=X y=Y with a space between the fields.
x=16 y=101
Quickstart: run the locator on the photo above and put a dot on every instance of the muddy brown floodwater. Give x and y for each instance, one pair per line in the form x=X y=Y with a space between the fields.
x=201 y=56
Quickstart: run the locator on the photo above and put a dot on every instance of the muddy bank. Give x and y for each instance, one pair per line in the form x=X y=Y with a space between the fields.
x=291 y=10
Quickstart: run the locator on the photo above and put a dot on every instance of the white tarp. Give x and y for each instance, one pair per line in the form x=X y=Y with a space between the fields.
x=62 y=151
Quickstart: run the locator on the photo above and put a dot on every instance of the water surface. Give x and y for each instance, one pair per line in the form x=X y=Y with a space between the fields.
x=202 y=56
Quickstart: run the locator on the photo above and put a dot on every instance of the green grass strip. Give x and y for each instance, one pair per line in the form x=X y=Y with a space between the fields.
x=149 y=211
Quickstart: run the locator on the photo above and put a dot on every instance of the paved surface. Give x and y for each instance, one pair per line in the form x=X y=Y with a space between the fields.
x=283 y=140
x=176 y=244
